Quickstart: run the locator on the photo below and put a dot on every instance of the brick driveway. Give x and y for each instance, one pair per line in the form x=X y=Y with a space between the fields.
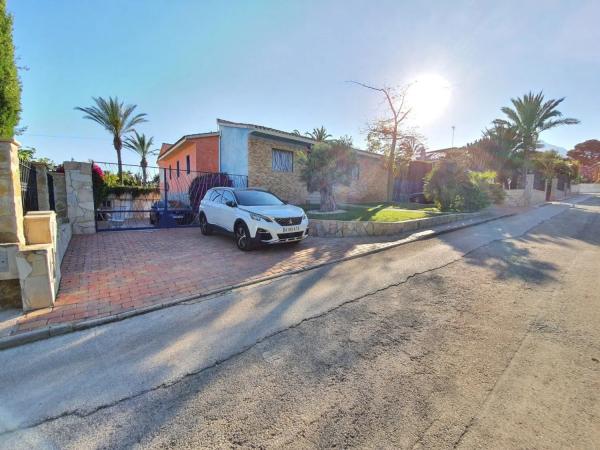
x=113 y=272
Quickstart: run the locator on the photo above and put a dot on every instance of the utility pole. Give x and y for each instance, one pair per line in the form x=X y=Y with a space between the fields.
x=453 y=127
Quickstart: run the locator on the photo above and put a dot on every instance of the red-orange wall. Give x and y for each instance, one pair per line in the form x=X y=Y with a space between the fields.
x=204 y=157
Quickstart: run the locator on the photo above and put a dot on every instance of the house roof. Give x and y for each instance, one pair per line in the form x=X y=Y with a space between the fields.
x=431 y=154
x=168 y=148
x=266 y=130
x=284 y=134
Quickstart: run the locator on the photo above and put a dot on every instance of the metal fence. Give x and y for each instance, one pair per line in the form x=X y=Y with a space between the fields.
x=29 y=193
x=51 y=201
x=152 y=197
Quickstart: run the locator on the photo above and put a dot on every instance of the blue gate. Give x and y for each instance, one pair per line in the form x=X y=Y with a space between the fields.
x=152 y=197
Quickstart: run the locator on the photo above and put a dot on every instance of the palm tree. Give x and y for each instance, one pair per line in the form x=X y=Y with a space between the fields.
x=140 y=144
x=549 y=163
x=529 y=117
x=318 y=134
x=117 y=118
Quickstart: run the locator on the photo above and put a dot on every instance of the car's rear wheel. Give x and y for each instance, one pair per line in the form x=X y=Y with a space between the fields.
x=242 y=237
x=205 y=227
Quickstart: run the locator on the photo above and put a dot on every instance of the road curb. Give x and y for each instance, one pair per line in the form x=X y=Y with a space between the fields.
x=17 y=340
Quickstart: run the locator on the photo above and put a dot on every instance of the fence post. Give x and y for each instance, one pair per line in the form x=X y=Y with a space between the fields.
x=80 y=197
x=12 y=236
x=41 y=182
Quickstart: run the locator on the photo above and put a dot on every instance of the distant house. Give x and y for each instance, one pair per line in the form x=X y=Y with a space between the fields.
x=434 y=155
x=266 y=158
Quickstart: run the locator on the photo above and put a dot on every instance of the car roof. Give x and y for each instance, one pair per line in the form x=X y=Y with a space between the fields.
x=232 y=189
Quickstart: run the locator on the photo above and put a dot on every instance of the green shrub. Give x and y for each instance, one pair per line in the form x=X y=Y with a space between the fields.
x=487 y=183
x=453 y=188
x=10 y=86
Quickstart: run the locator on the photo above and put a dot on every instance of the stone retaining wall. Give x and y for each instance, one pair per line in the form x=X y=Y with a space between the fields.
x=584 y=188
x=342 y=228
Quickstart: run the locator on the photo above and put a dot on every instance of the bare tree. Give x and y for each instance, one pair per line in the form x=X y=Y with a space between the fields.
x=389 y=127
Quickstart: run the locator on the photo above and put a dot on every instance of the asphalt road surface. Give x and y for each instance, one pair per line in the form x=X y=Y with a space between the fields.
x=487 y=337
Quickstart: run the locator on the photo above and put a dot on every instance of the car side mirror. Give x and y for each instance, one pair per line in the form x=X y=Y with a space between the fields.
x=230 y=203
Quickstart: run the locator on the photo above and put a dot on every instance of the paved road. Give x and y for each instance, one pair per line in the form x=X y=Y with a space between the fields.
x=485 y=337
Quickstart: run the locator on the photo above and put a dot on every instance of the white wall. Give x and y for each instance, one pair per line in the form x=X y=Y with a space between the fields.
x=585 y=188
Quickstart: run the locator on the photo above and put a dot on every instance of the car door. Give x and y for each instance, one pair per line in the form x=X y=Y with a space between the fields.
x=213 y=206
x=228 y=213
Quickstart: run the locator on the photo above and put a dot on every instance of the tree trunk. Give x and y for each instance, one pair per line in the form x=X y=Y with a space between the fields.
x=118 y=145
x=525 y=166
x=327 y=199
x=391 y=164
x=548 y=189
x=144 y=164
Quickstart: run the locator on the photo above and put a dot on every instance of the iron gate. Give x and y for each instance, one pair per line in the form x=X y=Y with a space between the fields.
x=152 y=197
x=29 y=195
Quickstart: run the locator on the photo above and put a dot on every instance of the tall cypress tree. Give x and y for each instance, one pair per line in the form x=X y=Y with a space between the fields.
x=10 y=87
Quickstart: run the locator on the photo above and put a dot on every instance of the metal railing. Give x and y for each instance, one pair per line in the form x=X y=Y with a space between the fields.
x=29 y=195
x=151 y=196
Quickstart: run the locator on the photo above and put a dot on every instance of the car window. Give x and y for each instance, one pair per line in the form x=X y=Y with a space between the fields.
x=209 y=195
x=216 y=197
x=227 y=197
x=256 y=198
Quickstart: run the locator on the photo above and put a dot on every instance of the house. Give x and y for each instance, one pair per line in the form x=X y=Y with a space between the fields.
x=434 y=155
x=262 y=157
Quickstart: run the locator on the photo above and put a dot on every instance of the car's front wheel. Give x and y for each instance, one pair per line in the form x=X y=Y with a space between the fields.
x=205 y=227
x=242 y=237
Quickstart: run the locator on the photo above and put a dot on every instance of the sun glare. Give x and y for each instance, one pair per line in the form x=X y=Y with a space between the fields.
x=428 y=97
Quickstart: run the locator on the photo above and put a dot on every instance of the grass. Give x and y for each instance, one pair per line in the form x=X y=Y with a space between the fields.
x=377 y=212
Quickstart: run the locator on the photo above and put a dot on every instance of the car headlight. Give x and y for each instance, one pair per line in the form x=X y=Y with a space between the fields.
x=304 y=216
x=258 y=217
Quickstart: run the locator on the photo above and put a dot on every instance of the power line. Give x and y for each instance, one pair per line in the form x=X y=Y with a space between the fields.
x=58 y=136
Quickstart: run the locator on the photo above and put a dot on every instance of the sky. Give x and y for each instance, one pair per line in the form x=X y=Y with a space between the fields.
x=285 y=65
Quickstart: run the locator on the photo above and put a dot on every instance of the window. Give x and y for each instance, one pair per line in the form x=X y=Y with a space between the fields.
x=177 y=169
x=355 y=172
x=170 y=172
x=228 y=197
x=283 y=161
x=216 y=197
x=187 y=164
x=250 y=197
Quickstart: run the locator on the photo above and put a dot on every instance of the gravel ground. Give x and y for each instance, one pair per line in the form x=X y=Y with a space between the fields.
x=500 y=349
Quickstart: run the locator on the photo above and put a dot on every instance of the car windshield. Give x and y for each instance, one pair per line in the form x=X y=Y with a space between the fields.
x=257 y=198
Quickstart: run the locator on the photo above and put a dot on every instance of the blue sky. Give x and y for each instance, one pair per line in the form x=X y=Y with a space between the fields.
x=284 y=64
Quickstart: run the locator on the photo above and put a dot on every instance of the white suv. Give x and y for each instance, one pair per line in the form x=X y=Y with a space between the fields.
x=253 y=216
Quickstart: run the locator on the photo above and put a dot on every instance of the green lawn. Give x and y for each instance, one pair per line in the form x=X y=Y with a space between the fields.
x=377 y=212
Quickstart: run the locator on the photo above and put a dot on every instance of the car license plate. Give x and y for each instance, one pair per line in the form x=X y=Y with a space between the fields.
x=290 y=229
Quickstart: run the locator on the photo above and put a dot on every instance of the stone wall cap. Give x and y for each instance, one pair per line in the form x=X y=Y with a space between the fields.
x=40 y=213
x=35 y=247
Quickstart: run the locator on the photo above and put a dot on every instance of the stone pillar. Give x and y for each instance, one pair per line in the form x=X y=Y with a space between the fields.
x=80 y=197
x=41 y=182
x=554 y=189
x=11 y=223
x=11 y=207
x=39 y=272
x=60 y=196
x=36 y=276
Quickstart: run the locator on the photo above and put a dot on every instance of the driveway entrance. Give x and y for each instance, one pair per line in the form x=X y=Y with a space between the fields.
x=152 y=197
x=110 y=273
